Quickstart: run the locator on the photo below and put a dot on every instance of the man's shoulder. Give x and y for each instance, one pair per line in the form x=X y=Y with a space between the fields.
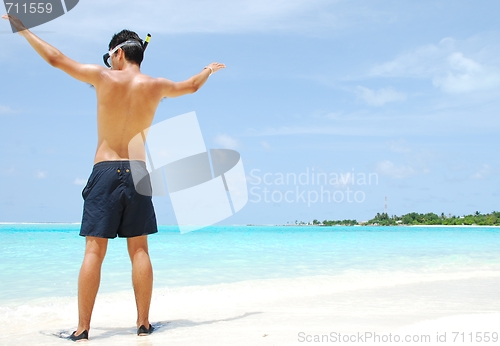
x=119 y=75
x=147 y=78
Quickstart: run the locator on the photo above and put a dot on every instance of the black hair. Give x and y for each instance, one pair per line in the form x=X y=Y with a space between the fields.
x=133 y=52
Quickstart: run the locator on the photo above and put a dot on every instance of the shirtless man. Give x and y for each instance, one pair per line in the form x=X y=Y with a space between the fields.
x=126 y=104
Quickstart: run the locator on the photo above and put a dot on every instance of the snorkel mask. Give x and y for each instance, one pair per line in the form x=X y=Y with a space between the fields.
x=107 y=56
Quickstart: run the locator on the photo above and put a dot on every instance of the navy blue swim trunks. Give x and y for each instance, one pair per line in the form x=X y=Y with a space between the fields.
x=112 y=205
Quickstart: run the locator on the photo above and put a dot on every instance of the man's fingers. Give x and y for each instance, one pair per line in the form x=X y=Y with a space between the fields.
x=5 y=16
x=219 y=65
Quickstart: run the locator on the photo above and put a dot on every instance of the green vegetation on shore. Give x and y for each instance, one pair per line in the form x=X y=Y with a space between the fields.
x=476 y=219
x=336 y=223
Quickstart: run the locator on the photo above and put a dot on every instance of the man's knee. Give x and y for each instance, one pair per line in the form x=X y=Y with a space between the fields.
x=137 y=245
x=96 y=247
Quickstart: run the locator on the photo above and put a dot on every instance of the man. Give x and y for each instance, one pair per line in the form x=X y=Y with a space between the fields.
x=126 y=104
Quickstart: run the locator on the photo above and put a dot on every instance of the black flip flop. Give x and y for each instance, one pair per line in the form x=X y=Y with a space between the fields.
x=143 y=331
x=83 y=336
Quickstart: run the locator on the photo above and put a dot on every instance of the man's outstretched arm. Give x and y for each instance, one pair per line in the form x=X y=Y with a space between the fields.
x=191 y=85
x=83 y=72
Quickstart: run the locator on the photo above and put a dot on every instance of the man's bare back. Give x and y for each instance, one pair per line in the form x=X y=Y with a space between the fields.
x=126 y=105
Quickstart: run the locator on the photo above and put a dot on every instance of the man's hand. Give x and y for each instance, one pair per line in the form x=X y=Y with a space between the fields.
x=215 y=66
x=16 y=23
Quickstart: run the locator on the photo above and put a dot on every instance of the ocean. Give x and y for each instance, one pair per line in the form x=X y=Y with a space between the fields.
x=39 y=263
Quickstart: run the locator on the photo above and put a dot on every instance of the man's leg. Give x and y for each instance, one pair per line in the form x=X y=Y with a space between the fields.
x=89 y=280
x=142 y=277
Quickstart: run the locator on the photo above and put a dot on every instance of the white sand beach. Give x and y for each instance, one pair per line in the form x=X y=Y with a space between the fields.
x=279 y=311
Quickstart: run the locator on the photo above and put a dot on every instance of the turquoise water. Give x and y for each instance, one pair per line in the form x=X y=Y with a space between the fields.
x=43 y=260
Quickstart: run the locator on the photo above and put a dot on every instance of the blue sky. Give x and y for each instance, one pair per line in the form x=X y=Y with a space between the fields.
x=404 y=92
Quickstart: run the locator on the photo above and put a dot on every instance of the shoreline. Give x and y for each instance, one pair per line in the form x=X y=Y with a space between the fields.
x=456 y=226
x=274 y=225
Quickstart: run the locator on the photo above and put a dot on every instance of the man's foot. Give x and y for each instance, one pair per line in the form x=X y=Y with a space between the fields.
x=84 y=336
x=143 y=331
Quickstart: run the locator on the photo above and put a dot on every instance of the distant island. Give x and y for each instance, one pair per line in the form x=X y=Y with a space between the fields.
x=414 y=219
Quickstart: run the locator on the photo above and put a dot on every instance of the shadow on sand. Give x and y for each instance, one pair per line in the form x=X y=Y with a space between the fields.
x=160 y=327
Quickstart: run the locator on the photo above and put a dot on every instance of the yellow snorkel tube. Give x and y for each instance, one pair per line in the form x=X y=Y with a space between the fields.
x=146 y=42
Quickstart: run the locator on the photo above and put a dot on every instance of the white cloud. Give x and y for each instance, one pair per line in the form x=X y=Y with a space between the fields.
x=196 y=16
x=465 y=75
x=452 y=66
x=421 y=62
x=226 y=141
x=39 y=174
x=379 y=97
x=5 y=110
x=398 y=146
x=388 y=168
x=483 y=173
x=314 y=130
x=300 y=130
x=8 y=171
x=265 y=145
x=79 y=181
